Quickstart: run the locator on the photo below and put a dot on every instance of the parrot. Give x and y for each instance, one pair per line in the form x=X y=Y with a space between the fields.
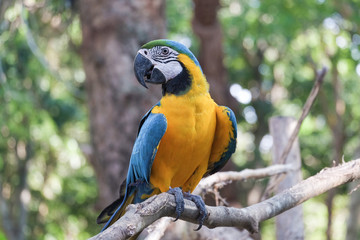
x=181 y=139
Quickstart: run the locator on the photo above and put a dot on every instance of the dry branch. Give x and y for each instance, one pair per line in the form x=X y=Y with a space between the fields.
x=223 y=178
x=309 y=102
x=139 y=216
x=306 y=109
x=157 y=230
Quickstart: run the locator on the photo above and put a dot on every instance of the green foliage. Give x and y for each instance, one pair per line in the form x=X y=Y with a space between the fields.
x=274 y=48
x=2 y=236
x=43 y=121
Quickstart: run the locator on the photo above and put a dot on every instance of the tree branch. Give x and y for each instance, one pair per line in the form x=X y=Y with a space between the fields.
x=139 y=216
x=222 y=178
x=309 y=102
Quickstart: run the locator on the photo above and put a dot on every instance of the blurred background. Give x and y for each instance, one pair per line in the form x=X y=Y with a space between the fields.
x=70 y=104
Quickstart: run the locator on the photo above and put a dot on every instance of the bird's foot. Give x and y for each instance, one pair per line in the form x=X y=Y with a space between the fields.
x=199 y=202
x=179 y=199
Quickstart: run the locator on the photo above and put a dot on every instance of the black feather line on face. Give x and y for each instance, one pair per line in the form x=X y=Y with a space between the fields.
x=179 y=85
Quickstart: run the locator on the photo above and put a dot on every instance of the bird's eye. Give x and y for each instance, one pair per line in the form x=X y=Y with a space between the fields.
x=164 y=51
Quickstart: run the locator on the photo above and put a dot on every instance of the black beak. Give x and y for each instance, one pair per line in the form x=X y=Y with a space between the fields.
x=145 y=71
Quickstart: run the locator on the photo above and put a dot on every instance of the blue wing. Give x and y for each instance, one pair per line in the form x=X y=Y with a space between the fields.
x=152 y=128
x=151 y=131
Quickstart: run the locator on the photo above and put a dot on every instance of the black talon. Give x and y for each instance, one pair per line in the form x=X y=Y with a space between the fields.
x=179 y=199
x=199 y=202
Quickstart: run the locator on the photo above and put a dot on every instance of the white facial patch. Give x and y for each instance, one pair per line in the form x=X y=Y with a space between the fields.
x=170 y=69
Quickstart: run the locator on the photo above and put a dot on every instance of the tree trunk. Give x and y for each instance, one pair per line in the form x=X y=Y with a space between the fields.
x=289 y=225
x=208 y=29
x=353 y=222
x=335 y=120
x=112 y=32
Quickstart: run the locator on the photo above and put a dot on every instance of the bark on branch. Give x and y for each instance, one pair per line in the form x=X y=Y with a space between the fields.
x=142 y=215
x=222 y=178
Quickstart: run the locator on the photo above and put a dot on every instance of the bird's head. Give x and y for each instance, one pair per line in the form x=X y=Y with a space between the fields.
x=168 y=63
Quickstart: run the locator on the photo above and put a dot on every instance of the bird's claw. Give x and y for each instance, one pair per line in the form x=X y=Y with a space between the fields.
x=179 y=199
x=199 y=202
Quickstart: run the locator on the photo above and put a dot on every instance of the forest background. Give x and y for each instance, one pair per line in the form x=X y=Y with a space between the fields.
x=70 y=105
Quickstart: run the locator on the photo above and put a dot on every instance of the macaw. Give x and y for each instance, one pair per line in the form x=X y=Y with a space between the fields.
x=184 y=137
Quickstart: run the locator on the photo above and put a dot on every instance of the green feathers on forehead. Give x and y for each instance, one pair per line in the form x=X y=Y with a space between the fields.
x=180 y=48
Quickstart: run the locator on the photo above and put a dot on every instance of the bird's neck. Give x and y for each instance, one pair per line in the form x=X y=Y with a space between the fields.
x=189 y=83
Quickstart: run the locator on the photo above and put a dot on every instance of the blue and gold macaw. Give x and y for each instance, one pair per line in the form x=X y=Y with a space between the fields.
x=185 y=136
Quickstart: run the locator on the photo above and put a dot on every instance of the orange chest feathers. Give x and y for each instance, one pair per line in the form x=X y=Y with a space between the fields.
x=184 y=151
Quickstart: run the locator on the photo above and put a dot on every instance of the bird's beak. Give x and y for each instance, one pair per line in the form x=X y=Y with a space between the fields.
x=145 y=71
